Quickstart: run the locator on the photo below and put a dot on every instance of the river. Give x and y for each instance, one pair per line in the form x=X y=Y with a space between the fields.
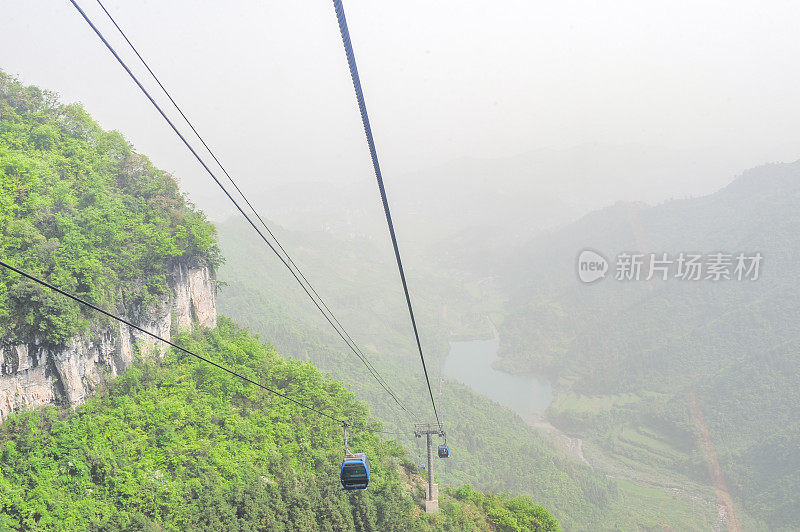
x=471 y=362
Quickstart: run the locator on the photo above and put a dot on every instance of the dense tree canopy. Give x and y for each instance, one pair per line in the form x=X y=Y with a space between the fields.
x=182 y=445
x=79 y=206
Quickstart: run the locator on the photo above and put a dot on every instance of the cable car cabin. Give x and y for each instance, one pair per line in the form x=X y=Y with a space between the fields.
x=355 y=472
x=444 y=451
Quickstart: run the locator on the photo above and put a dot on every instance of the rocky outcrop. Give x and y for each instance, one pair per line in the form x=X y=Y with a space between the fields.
x=34 y=374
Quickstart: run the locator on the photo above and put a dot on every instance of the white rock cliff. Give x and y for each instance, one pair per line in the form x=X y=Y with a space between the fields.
x=32 y=374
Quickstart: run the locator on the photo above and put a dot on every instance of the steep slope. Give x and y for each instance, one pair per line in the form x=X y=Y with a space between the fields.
x=81 y=208
x=628 y=352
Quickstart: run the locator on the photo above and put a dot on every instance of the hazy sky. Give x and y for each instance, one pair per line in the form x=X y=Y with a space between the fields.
x=267 y=82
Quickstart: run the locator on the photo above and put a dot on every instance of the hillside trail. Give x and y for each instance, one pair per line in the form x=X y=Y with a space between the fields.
x=574 y=446
x=714 y=469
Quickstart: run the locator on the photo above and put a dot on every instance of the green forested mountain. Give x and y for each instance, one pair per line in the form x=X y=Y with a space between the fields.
x=627 y=353
x=179 y=445
x=171 y=444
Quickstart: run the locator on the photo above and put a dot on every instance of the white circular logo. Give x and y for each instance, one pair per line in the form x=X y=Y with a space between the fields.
x=592 y=266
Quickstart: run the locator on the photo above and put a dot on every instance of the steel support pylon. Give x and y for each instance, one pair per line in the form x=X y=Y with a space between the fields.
x=432 y=493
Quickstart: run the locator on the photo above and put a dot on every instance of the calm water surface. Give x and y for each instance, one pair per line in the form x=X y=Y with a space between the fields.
x=471 y=363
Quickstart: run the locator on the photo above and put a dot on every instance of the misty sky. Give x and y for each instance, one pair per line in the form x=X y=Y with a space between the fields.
x=267 y=83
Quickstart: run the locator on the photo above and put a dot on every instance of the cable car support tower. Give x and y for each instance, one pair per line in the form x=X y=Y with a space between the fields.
x=432 y=493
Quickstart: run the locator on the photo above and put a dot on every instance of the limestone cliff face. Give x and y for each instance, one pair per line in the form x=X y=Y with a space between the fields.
x=32 y=374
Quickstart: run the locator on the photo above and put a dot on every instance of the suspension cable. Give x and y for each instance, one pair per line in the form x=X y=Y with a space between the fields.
x=362 y=427
x=319 y=306
x=168 y=342
x=349 y=340
x=362 y=106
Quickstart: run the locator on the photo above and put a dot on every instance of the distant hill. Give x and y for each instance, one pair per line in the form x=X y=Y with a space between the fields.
x=735 y=343
x=513 y=197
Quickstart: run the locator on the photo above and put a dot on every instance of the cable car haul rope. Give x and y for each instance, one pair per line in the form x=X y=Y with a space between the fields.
x=362 y=107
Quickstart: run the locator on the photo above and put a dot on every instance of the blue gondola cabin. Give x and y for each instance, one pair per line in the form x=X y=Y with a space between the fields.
x=444 y=451
x=355 y=472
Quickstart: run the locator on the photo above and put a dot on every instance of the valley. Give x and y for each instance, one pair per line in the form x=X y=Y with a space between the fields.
x=618 y=489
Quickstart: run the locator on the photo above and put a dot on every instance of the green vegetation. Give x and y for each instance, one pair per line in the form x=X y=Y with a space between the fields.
x=502 y=512
x=81 y=208
x=180 y=445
